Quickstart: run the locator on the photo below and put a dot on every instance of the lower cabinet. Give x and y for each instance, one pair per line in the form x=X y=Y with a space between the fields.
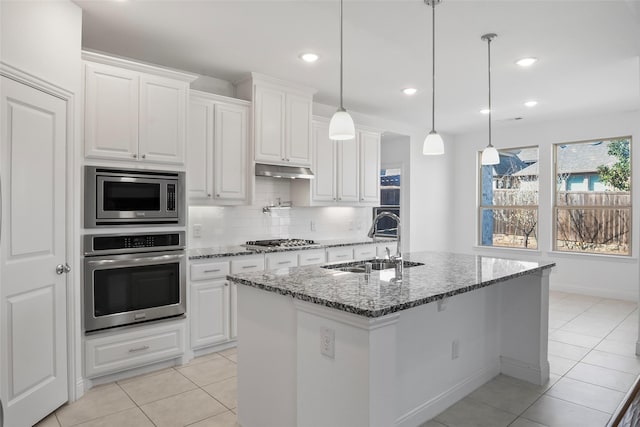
x=210 y=303
x=121 y=350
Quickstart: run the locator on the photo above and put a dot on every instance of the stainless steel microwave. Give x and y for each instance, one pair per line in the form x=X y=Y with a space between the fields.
x=115 y=197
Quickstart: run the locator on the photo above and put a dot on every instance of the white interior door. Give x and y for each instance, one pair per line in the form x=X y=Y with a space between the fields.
x=33 y=356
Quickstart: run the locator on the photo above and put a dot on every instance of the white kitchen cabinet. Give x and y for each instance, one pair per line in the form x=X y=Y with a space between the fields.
x=244 y=264
x=134 y=112
x=369 y=171
x=218 y=144
x=364 y=252
x=277 y=260
x=281 y=120
x=121 y=350
x=209 y=308
x=340 y=253
x=347 y=173
x=312 y=257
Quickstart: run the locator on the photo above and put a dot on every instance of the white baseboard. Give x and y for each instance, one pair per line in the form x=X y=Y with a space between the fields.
x=600 y=292
x=436 y=405
x=524 y=371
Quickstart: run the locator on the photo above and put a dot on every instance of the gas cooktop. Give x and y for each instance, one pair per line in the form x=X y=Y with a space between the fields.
x=281 y=243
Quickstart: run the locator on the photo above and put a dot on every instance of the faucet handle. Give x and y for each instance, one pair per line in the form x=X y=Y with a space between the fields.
x=388 y=252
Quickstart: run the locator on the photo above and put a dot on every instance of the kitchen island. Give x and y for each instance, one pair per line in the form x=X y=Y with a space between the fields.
x=325 y=346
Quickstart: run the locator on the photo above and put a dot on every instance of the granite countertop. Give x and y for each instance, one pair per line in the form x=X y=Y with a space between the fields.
x=378 y=294
x=226 y=251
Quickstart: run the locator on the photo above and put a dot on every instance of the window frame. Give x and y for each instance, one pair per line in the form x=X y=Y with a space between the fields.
x=481 y=207
x=555 y=208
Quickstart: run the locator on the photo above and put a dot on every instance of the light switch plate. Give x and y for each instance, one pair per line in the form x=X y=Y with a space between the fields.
x=197 y=230
x=327 y=342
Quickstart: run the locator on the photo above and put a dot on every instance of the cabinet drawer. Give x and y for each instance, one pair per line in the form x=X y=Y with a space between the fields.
x=339 y=254
x=125 y=350
x=209 y=270
x=281 y=260
x=364 y=252
x=311 y=257
x=246 y=265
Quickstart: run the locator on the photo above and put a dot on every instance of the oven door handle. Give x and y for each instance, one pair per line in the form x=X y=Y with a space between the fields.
x=127 y=262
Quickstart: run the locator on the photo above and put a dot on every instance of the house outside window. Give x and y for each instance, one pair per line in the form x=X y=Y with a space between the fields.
x=508 y=205
x=389 y=202
x=592 y=208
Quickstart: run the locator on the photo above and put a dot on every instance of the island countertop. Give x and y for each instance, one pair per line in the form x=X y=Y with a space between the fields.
x=377 y=294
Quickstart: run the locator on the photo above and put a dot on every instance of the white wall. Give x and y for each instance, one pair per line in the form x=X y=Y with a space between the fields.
x=224 y=226
x=43 y=38
x=616 y=277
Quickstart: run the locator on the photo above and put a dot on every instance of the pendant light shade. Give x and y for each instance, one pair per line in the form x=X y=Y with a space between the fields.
x=490 y=155
x=433 y=143
x=341 y=126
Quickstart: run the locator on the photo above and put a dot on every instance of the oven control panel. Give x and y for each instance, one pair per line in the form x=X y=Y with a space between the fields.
x=128 y=243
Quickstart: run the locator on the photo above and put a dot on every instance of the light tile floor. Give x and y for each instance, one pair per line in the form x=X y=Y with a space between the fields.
x=591 y=352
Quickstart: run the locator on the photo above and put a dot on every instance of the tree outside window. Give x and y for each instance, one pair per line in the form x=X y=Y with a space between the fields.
x=509 y=200
x=593 y=197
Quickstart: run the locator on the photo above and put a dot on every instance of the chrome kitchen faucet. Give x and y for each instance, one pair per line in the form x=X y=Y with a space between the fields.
x=397 y=258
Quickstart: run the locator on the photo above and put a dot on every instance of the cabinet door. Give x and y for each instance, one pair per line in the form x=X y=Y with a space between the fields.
x=324 y=164
x=111 y=112
x=230 y=152
x=369 y=167
x=347 y=156
x=209 y=313
x=200 y=150
x=269 y=110
x=162 y=120
x=298 y=142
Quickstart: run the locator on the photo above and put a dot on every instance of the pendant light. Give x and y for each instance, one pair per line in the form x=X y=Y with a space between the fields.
x=341 y=126
x=433 y=144
x=490 y=155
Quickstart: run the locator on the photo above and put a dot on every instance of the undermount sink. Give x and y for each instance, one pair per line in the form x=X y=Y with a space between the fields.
x=376 y=264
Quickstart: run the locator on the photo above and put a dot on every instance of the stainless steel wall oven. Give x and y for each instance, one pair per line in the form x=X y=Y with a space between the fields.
x=132 y=278
x=115 y=197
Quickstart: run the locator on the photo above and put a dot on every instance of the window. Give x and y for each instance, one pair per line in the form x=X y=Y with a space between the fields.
x=593 y=197
x=389 y=201
x=509 y=200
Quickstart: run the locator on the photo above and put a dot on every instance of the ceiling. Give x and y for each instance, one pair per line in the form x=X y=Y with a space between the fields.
x=588 y=52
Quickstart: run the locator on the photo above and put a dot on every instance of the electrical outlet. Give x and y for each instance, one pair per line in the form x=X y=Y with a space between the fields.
x=197 y=230
x=455 y=349
x=327 y=342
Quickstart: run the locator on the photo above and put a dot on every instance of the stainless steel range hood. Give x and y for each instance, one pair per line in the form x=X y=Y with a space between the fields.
x=290 y=172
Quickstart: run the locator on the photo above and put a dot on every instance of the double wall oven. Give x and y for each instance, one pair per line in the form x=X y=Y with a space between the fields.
x=139 y=276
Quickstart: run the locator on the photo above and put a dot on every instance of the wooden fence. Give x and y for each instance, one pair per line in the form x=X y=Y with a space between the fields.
x=584 y=217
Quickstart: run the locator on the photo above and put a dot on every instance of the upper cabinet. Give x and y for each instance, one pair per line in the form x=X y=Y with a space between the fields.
x=281 y=120
x=347 y=173
x=134 y=112
x=217 y=155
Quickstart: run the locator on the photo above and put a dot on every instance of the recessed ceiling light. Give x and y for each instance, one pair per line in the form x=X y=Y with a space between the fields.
x=526 y=62
x=485 y=111
x=409 y=91
x=309 y=57
x=531 y=103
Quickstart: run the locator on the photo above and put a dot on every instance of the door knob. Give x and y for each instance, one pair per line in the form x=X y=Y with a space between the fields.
x=60 y=268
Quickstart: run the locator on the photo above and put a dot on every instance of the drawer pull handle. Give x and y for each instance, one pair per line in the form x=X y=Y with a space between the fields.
x=144 y=347
x=212 y=271
x=313 y=259
x=340 y=256
x=249 y=266
x=284 y=262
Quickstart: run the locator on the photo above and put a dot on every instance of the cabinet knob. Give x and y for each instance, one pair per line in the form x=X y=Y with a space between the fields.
x=217 y=195
x=209 y=195
x=144 y=156
x=283 y=159
x=288 y=160
x=135 y=156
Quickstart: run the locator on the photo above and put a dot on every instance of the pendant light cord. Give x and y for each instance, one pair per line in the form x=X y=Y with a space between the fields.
x=489 y=62
x=433 y=65
x=341 y=107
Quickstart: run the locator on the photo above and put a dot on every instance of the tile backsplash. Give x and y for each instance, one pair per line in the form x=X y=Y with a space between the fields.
x=233 y=225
